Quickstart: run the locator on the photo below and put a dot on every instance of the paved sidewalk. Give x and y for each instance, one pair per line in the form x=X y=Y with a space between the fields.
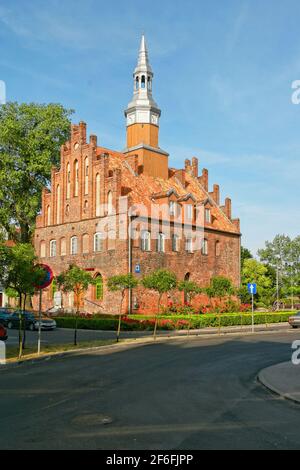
x=282 y=379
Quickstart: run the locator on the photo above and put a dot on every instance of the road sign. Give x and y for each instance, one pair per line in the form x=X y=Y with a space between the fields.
x=252 y=288
x=47 y=280
x=137 y=269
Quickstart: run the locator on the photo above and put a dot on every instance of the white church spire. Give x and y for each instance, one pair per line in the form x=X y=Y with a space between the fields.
x=142 y=108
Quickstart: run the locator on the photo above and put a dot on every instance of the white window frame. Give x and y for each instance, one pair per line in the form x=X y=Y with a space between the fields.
x=208 y=216
x=74 y=245
x=145 y=240
x=189 y=211
x=189 y=245
x=175 y=243
x=98 y=239
x=204 y=249
x=172 y=208
x=53 y=248
x=161 y=243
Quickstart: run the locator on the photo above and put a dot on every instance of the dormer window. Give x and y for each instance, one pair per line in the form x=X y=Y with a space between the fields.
x=189 y=212
x=208 y=216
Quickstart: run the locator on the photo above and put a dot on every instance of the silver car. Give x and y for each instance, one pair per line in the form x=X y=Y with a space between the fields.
x=46 y=324
x=294 y=321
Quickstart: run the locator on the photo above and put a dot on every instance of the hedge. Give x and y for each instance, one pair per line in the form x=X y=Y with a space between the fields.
x=138 y=322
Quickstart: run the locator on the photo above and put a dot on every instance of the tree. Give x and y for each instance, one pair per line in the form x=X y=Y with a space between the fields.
x=220 y=287
x=277 y=253
x=245 y=254
x=75 y=280
x=19 y=272
x=121 y=283
x=190 y=289
x=30 y=139
x=256 y=272
x=161 y=281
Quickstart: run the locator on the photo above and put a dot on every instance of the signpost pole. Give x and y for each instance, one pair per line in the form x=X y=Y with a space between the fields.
x=252 y=312
x=40 y=322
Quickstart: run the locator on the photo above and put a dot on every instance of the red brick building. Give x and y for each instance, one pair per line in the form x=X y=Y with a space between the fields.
x=118 y=212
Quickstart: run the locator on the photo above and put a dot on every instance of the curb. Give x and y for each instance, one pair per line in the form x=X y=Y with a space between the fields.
x=274 y=390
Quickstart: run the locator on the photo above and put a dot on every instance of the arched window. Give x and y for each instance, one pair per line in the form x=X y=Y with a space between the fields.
x=86 y=176
x=137 y=83
x=145 y=241
x=99 y=287
x=161 y=243
x=189 y=245
x=149 y=84
x=218 y=249
x=85 y=243
x=204 y=247
x=143 y=82
x=48 y=216
x=98 y=196
x=98 y=242
x=43 y=249
x=109 y=203
x=74 y=246
x=63 y=247
x=52 y=248
x=68 y=194
x=175 y=242
x=58 y=205
x=76 y=178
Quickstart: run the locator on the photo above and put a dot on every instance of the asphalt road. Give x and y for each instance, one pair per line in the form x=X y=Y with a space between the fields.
x=173 y=395
x=63 y=336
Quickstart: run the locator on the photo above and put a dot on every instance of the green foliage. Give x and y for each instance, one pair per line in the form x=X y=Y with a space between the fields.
x=18 y=270
x=30 y=139
x=122 y=282
x=75 y=280
x=161 y=281
x=245 y=254
x=190 y=289
x=256 y=272
x=220 y=287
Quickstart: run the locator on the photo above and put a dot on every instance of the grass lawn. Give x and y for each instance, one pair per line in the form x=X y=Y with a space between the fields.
x=12 y=352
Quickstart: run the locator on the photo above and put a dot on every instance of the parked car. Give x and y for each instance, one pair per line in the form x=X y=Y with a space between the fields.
x=3 y=333
x=46 y=324
x=14 y=320
x=5 y=314
x=294 y=320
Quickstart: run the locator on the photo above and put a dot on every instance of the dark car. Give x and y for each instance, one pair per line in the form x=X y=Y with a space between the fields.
x=3 y=333
x=14 y=320
x=5 y=315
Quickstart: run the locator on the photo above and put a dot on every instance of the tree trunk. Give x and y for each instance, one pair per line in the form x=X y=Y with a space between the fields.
x=120 y=317
x=24 y=322
x=20 y=328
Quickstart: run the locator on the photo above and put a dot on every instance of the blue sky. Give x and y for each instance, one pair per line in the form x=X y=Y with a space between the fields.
x=223 y=76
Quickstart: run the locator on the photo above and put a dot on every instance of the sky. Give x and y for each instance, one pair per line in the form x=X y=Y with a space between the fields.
x=223 y=80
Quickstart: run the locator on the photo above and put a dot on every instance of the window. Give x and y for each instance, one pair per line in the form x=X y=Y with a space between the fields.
x=86 y=176
x=63 y=247
x=149 y=83
x=85 y=243
x=204 y=247
x=76 y=178
x=172 y=208
x=74 y=246
x=189 y=212
x=145 y=241
x=207 y=216
x=68 y=181
x=109 y=203
x=43 y=249
x=161 y=243
x=143 y=83
x=175 y=242
x=218 y=251
x=98 y=195
x=58 y=206
x=53 y=248
x=98 y=242
x=189 y=245
x=137 y=83
x=99 y=288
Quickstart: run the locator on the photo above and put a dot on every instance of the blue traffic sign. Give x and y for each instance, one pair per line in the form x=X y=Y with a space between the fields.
x=137 y=269
x=252 y=288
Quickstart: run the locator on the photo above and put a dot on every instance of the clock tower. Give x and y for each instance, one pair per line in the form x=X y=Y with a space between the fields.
x=142 y=120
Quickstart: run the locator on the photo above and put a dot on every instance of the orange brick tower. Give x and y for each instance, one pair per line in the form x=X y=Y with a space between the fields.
x=142 y=116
